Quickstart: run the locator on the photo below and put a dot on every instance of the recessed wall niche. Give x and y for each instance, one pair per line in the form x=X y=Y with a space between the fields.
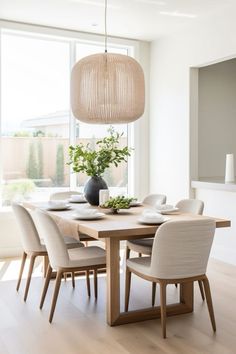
x=216 y=117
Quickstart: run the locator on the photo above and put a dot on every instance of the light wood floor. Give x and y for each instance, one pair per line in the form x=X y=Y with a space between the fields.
x=79 y=323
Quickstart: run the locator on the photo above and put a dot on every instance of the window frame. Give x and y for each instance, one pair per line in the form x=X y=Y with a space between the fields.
x=73 y=38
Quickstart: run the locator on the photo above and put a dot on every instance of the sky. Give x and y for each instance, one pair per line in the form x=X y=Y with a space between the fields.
x=35 y=79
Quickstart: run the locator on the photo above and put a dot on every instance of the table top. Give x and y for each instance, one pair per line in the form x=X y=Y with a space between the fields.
x=124 y=225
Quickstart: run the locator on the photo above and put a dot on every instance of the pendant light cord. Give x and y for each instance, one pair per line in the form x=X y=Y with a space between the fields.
x=105 y=26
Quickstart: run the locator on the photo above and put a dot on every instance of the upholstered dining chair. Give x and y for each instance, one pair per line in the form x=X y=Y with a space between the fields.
x=191 y=206
x=65 y=260
x=140 y=245
x=144 y=246
x=180 y=254
x=32 y=245
x=154 y=199
x=63 y=195
x=66 y=195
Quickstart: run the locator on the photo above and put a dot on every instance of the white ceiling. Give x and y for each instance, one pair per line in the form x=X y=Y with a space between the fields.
x=141 y=19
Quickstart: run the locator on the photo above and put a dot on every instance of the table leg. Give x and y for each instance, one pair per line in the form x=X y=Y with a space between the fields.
x=113 y=280
x=186 y=295
x=114 y=316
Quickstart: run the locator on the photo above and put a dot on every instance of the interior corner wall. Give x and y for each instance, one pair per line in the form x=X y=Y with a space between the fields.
x=171 y=58
x=217 y=112
x=209 y=41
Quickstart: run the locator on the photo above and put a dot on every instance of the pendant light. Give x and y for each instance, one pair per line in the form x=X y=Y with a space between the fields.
x=107 y=88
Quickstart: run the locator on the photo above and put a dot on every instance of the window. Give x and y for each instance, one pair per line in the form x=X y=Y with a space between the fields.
x=36 y=120
x=116 y=177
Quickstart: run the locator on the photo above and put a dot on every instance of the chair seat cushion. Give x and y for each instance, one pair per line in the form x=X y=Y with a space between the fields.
x=86 y=256
x=72 y=243
x=140 y=264
x=142 y=245
x=69 y=241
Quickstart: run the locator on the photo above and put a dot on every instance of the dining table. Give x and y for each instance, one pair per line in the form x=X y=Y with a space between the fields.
x=112 y=229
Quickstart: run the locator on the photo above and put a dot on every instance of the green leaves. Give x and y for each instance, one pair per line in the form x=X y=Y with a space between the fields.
x=94 y=162
x=119 y=202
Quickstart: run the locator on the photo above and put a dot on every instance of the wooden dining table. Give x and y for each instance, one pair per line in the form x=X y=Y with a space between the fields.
x=112 y=229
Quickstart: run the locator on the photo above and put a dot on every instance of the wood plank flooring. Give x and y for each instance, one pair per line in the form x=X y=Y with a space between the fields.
x=79 y=324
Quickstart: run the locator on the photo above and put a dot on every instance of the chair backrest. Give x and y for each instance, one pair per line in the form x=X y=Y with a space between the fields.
x=181 y=248
x=193 y=206
x=29 y=236
x=153 y=199
x=53 y=239
x=62 y=195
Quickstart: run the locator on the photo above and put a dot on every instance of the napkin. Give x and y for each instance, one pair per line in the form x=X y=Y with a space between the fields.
x=150 y=215
x=86 y=212
x=58 y=203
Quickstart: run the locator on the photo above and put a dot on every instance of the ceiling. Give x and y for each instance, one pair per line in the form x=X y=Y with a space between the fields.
x=141 y=19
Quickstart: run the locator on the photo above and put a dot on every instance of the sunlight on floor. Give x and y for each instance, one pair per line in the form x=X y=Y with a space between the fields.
x=9 y=269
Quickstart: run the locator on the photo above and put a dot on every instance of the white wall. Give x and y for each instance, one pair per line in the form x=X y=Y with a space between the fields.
x=217 y=111
x=10 y=245
x=207 y=41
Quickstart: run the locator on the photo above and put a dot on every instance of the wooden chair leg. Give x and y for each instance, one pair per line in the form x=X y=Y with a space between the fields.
x=127 y=288
x=45 y=288
x=73 y=279
x=209 y=302
x=55 y=294
x=95 y=283
x=31 y=267
x=23 y=259
x=201 y=289
x=140 y=254
x=154 y=285
x=88 y=282
x=45 y=265
x=127 y=252
x=163 y=307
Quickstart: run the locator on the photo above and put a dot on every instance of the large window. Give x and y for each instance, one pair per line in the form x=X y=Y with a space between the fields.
x=36 y=122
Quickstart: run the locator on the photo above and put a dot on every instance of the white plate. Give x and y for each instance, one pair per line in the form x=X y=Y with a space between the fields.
x=59 y=207
x=167 y=211
x=135 y=203
x=77 y=201
x=89 y=217
x=152 y=222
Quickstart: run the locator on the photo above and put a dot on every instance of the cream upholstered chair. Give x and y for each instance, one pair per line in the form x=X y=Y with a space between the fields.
x=192 y=206
x=63 y=195
x=180 y=254
x=144 y=246
x=31 y=243
x=154 y=199
x=63 y=260
x=67 y=195
x=141 y=245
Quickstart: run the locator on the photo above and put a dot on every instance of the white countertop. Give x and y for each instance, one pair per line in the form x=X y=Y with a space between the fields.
x=216 y=183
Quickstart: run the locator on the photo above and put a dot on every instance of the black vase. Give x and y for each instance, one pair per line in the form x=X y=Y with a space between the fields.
x=92 y=188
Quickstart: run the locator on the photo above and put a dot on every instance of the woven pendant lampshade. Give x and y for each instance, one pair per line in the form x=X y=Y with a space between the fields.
x=107 y=88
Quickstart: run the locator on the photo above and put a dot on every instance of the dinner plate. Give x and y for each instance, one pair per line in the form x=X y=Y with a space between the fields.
x=167 y=211
x=89 y=217
x=77 y=201
x=58 y=208
x=151 y=222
